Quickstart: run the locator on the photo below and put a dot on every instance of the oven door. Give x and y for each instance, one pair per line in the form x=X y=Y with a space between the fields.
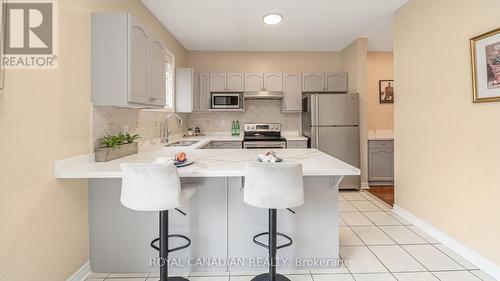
x=226 y=100
x=264 y=144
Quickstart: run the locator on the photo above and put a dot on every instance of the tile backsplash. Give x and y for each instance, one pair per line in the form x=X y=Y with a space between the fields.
x=112 y=120
x=256 y=111
x=147 y=123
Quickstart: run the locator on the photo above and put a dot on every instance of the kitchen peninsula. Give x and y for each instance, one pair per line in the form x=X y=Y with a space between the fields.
x=219 y=223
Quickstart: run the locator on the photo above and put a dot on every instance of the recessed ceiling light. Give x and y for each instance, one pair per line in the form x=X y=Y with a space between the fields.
x=272 y=18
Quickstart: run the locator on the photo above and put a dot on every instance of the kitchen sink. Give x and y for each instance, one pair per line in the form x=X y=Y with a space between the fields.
x=182 y=143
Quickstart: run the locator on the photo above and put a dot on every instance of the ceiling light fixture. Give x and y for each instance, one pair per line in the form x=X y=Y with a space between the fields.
x=272 y=18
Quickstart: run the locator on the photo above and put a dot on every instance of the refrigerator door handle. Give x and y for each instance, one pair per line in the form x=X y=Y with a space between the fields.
x=314 y=110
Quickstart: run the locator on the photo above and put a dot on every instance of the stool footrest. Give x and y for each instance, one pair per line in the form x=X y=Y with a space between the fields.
x=173 y=249
x=290 y=241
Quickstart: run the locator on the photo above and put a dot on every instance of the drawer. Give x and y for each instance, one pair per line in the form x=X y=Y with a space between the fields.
x=227 y=145
x=296 y=144
x=380 y=144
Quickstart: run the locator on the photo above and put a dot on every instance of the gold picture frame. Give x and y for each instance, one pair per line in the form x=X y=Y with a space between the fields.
x=485 y=75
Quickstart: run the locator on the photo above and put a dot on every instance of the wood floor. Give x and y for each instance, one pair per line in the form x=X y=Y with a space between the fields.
x=384 y=193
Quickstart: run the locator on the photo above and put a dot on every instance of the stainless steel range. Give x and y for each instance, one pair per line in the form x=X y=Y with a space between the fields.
x=262 y=136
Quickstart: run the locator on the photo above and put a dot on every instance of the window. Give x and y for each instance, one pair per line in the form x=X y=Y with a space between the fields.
x=169 y=79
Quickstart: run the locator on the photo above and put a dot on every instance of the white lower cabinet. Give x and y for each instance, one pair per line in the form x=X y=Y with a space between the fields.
x=380 y=162
x=296 y=144
x=227 y=145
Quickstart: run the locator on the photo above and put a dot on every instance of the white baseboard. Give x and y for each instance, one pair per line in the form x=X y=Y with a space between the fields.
x=476 y=259
x=81 y=274
x=365 y=185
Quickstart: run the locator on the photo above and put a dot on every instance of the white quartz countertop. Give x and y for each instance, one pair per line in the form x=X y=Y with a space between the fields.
x=207 y=162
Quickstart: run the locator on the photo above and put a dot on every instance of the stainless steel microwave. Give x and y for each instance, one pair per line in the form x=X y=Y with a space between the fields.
x=226 y=100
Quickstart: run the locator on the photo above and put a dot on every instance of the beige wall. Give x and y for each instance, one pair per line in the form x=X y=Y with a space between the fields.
x=264 y=61
x=447 y=153
x=380 y=67
x=354 y=62
x=45 y=115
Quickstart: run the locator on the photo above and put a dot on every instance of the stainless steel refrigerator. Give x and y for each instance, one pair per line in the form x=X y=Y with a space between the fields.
x=331 y=122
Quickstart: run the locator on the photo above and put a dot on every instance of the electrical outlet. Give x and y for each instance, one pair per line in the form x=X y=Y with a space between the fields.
x=137 y=124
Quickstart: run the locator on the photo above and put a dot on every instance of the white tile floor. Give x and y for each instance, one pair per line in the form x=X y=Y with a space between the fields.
x=380 y=246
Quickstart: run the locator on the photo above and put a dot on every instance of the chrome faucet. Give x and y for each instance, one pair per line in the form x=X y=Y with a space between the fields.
x=164 y=131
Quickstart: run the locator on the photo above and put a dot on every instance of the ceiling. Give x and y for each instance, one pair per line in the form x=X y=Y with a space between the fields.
x=308 y=25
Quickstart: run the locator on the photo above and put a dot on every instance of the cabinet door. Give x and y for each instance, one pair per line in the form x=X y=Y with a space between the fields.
x=254 y=82
x=313 y=82
x=336 y=82
x=138 y=63
x=196 y=92
x=184 y=88
x=292 y=90
x=204 y=92
x=157 y=95
x=226 y=145
x=381 y=164
x=296 y=144
x=273 y=82
x=217 y=82
x=235 y=82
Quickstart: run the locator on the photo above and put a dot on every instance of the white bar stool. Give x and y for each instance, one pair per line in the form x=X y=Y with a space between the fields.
x=157 y=188
x=273 y=186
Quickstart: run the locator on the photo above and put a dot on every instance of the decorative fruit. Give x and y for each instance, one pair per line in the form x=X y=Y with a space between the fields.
x=181 y=157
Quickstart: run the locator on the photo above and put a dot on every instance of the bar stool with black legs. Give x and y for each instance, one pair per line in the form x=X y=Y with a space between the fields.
x=156 y=187
x=273 y=186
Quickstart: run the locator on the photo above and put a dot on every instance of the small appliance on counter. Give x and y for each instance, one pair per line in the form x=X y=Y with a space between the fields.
x=262 y=136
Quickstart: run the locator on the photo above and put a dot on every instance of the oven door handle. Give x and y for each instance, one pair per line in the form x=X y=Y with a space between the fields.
x=264 y=144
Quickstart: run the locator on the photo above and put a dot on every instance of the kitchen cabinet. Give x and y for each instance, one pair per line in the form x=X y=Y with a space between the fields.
x=157 y=84
x=291 y=144
x=324 y=82
x=218 y=82
x=292 y=93
x=272 y=82
x=227 y=145
x=127 y=63
x=254 y=82
x=235 y=82
x=204 y=92
x=380 y=162
x=336 y=82
x=227 y=82
x=187 y=94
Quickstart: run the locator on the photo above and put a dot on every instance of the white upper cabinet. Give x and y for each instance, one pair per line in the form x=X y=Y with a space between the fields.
x=204 y=92
x=127 y=63
x=324 y=82
x=254 y=82
x=227 y=82
x=235 y=82
x=292 y=90
x=336 y=82
x=313 y=82
x=273 y=82
x=185 y=90
x=138 y=63
x=157 y=62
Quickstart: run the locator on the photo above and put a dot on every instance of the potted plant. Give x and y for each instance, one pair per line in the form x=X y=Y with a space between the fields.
x=116 y=146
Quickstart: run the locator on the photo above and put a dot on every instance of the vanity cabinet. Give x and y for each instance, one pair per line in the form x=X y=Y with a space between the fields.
x=272 y=82
x=325 y=82
x=227 y=82
x=292 y=93
x=380 y=162
x=127 y=63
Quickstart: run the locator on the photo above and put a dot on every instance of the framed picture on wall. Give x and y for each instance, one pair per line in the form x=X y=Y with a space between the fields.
x=485 y=59
x=386 y=91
